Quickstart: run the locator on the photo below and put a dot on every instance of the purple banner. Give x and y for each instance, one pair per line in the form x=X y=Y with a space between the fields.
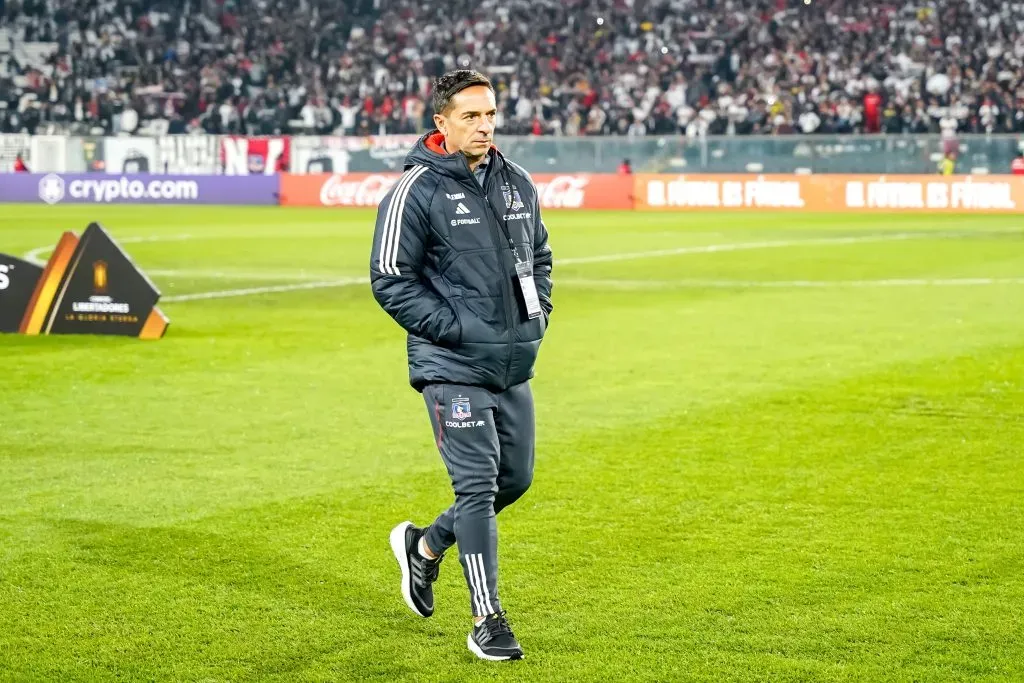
x=88 y=188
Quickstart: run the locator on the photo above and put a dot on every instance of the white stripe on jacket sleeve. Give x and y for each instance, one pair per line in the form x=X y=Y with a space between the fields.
x=387 y=261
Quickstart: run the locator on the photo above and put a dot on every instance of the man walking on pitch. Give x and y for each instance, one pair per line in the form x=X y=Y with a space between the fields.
x=461 y=261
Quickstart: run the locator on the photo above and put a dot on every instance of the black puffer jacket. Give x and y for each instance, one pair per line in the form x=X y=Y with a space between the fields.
x=442 y=267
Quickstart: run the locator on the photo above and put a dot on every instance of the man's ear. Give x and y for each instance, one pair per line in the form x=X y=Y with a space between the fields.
x=441 y=124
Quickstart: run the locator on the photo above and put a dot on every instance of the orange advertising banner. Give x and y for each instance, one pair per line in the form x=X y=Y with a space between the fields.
x=853 y=193
x=556 y=191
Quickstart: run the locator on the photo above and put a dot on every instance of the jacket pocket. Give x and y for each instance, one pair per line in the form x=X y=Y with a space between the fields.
x=482 y=319
x=454 y=339
x=533 y=329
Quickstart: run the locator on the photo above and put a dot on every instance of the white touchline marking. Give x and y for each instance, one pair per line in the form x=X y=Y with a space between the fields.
x=791 y=284
x=344 y=282
x=33 y=256
x=712 y=248
x=154 y=238
x=742 y=246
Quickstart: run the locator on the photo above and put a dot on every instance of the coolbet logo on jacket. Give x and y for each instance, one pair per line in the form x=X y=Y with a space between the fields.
x=5 y=281
x=513 y=202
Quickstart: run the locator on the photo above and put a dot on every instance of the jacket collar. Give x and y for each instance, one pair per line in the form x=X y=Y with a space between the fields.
x=429 y=151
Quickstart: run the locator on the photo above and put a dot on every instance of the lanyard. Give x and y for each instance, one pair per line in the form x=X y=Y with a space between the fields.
x=501 y=219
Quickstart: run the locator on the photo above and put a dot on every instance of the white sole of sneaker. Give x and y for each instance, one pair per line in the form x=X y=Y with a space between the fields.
x=475 y=649
x=398 y=548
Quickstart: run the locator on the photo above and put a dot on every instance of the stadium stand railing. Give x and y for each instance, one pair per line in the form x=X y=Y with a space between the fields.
x=239 y=155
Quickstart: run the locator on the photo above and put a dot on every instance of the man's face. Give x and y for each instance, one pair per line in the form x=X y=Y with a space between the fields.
x=468 y=125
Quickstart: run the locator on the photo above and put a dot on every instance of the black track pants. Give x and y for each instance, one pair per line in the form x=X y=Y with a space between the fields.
x=486 y=440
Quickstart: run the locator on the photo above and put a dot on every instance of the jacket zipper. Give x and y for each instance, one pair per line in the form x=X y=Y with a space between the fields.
x=506 y=295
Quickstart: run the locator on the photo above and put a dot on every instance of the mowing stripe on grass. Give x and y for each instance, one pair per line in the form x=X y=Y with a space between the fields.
x=634 y=284
x=604 y=258
x=343 y=282
x=201 y=274
x=33 y=255
x=742 y=246
x=790 y=284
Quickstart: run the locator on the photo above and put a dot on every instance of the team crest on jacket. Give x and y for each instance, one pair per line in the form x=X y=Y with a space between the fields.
x=460 y=409
x=513 y=202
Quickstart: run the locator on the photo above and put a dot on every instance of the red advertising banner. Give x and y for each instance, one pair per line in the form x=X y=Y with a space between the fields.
x=556 y=191
x=254 y=156
x=349 y=189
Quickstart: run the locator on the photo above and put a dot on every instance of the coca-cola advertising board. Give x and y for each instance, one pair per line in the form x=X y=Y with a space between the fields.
x=556 y=191
x=350 y=189
x=584 y=191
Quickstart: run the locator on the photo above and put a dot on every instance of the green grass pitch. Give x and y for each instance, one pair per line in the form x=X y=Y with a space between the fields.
x=771 y=447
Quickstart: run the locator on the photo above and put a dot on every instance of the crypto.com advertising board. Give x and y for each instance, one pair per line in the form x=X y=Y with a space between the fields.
x=997 y=194
x=143 y=188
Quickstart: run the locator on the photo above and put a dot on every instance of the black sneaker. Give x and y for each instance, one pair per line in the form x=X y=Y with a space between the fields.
x=418 y=573
x=492 y=639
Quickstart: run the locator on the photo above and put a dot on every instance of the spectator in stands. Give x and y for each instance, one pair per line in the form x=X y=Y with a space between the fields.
x=568 y=67
x=1017 y=167
x=19 y=165
x=872 y=112
x=948 y=164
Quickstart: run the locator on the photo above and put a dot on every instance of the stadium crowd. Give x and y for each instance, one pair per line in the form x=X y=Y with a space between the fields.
x=562 y=67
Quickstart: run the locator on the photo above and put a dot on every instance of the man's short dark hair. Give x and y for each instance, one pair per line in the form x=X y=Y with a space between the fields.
x=452 y=83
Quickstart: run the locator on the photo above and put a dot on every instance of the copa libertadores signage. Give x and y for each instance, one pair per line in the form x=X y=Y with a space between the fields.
x=91 y=286
x=18 y=280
